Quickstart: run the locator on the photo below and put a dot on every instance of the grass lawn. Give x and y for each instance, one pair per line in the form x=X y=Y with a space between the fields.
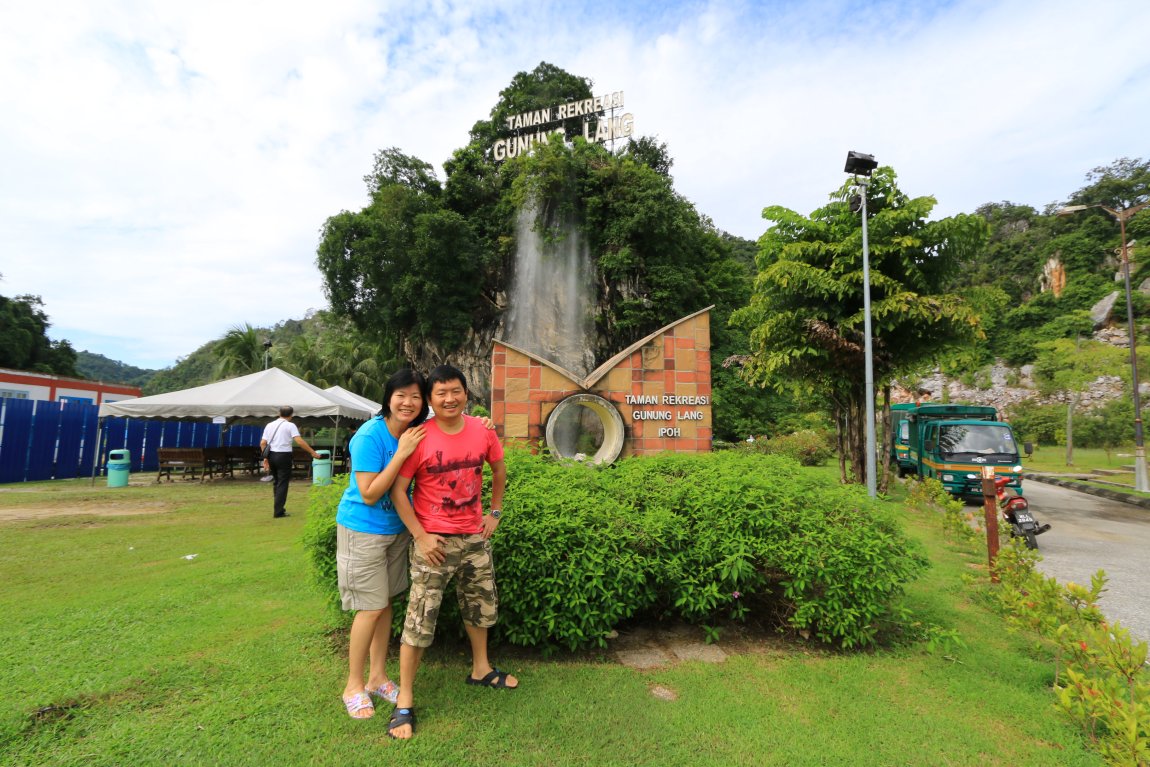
x=1052 y=459
x=116 y=649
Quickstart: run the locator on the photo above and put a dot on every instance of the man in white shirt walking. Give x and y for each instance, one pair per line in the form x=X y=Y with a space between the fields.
x=280 y=435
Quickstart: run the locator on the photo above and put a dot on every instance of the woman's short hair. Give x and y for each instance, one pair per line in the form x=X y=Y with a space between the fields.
x=401 y=379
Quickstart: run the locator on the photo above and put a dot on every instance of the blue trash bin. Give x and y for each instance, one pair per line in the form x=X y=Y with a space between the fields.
x=321 y=468
x=119 y=466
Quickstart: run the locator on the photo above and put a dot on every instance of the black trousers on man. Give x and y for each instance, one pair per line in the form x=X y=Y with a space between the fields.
x=280 y=465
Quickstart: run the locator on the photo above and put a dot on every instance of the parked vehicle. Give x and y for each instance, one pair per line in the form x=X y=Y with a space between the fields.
x=1015 y=512
x=952 y=443
x=900 y=438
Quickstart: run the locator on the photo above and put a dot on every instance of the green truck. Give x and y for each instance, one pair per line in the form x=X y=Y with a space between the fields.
x=954 y=443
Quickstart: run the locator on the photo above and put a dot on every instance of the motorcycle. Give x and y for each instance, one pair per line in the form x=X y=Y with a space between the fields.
x=1015 y=510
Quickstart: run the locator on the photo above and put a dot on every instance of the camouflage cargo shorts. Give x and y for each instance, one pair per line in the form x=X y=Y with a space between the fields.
x=468 y=559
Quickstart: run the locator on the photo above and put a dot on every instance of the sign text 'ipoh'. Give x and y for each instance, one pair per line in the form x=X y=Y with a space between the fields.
x=602 y=130
x=667 y=415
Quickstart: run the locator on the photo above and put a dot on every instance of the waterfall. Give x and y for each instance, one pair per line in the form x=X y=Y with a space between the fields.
x=551 y=304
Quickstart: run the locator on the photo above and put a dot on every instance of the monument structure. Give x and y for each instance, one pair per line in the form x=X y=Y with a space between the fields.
x=655 y=395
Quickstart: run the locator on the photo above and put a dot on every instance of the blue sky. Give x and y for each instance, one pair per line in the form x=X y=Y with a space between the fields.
x=166 y=167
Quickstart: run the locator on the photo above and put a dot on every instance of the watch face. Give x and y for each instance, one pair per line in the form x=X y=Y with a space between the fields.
x=496 y=514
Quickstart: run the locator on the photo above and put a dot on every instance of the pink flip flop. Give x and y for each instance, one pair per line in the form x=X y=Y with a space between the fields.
x=359 y=702
x=388 y=691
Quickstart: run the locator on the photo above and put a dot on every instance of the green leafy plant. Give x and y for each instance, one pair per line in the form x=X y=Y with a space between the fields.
x=696 y=538
x=1101 y=679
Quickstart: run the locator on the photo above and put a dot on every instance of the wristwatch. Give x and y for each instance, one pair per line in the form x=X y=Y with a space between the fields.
x=495 y=513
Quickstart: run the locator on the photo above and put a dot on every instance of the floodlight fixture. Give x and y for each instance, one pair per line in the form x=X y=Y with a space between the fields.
x=860 y=164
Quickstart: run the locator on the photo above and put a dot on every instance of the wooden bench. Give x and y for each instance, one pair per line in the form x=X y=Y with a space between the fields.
x=218 y=460
x=184 y=460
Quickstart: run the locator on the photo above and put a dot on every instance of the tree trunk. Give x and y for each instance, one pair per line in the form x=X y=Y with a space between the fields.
x=886 y=446
x=1070 y=427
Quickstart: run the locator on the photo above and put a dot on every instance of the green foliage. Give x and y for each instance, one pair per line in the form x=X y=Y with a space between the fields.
x=1037 y=423
x=1100 y=673
x=24 y=342
x=807 y=447
x=97 y=367
x=928 y=494
x=806 y=316
x=319 y=535
x=698 y=538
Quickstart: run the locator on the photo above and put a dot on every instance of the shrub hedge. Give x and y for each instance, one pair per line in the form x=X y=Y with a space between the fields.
x=702 y=538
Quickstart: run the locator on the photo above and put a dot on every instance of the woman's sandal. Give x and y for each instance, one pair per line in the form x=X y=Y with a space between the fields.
x=400 y=717
x=359 y=702
x=496 y=679
x=388 y=691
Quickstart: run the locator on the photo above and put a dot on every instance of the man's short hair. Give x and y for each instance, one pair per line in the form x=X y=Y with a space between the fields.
x=443 y=374
x=286 y=411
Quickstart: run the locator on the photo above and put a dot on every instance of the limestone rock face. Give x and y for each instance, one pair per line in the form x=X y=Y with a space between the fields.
x=1053 y=277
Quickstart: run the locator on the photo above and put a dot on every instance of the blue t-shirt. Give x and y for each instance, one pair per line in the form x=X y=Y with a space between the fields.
x=372 y=448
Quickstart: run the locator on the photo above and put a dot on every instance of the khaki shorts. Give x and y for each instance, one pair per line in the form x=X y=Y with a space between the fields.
x=372 y=568
x=469 y=558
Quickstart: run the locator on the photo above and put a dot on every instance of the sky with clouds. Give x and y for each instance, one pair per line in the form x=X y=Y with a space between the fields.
x=165 y=168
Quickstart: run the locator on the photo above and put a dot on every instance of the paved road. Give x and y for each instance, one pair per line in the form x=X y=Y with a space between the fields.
x=1090 y=534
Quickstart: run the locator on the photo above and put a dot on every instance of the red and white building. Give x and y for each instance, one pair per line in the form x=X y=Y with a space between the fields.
x=20 y=384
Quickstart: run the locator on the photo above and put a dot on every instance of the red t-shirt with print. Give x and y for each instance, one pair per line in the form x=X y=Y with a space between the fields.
x=448 y=474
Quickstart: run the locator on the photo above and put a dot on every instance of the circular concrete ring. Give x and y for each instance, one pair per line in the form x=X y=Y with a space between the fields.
x=608 y=414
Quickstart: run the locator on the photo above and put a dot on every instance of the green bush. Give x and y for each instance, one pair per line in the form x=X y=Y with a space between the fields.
x=807 y=447
x=319 y=535
x=702 y=538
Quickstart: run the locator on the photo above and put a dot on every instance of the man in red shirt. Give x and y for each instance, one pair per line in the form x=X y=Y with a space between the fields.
x=451 y=537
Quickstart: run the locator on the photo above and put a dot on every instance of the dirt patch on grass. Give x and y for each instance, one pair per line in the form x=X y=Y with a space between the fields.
x=99 y=508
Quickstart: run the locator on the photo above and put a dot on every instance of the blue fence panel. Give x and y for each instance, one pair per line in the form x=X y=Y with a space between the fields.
x=153 y=430
x=45 y=433
x=89 y=436
x=170 y=434
x=115 y=434
x=17 y=424
x=71 y=438
x=135 y=442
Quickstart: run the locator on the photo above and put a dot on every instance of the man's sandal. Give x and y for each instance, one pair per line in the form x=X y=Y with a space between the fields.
x=361 y=701
x=400 y=717
x=388 y=691
x=496 y=679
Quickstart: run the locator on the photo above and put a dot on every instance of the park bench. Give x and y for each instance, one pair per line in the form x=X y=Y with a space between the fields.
x=184 y=460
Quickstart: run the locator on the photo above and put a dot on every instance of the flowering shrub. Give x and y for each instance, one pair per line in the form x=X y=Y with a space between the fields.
x=1100 y=676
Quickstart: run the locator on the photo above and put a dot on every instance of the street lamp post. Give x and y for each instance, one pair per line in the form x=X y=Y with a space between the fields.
x=1141 y=482
x=267 y=352
x=862 y=165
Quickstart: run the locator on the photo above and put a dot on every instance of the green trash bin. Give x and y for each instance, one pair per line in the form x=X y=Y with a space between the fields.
x=119 y=465
x=321 y=468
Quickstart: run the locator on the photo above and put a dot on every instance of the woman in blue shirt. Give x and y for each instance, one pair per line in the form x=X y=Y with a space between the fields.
x=372 y=542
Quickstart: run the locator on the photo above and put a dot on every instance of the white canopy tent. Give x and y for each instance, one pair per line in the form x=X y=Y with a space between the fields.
x=254 y=398
x=354 y=398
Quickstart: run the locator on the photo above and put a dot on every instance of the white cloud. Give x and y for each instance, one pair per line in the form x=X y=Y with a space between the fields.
x=167 y=167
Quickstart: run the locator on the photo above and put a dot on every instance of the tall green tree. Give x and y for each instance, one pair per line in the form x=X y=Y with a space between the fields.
x=24 y=341
x=1071 y=366
x=806 y=316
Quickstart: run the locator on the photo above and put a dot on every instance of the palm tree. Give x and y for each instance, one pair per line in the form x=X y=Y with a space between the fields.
x=239 y=352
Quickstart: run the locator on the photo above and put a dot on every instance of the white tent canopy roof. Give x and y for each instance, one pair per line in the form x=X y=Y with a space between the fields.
x=258 y=396
x=354 y=398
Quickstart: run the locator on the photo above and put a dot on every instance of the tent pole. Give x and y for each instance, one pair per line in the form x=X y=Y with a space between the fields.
x=99 y=446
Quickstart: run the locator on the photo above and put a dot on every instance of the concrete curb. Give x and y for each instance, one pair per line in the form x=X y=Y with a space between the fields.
x=1101 y=492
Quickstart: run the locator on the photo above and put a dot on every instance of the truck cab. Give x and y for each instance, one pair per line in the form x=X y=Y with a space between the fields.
x=953 y=443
